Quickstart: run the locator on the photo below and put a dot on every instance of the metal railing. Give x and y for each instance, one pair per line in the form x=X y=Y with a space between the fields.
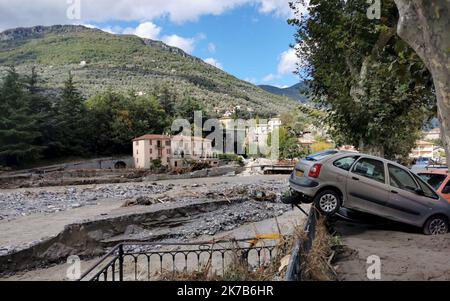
x=126 y=263
x=302 y=247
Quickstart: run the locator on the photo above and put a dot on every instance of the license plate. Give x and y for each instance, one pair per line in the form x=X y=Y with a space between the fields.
x=299 y=173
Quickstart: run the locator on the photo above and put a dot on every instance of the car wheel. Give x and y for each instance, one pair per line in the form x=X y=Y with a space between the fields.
x=328 y=202
x=436 y=225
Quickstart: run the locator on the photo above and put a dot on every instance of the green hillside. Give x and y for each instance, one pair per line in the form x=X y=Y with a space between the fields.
x=125 y=62
x=297 y=92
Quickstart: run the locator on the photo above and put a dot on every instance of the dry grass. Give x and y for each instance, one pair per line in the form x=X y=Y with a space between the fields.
x=317 y=264
x=238 y=269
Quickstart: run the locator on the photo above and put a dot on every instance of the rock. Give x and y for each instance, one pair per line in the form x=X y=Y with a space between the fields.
x=133 y=229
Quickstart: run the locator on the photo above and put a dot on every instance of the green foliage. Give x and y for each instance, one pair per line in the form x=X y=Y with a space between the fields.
x=375 y=90
x=289 y=145
x=231 y=158
x=18 y=122
x=72 y=120
x=119 y=118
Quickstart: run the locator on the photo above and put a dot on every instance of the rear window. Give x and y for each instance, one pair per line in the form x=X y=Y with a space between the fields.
x=321 y=155
x=346 y=163
x=434 y=180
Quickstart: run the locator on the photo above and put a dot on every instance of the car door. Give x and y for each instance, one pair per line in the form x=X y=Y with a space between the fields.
x=366 y=186
x=406 y=200
x=445 y=191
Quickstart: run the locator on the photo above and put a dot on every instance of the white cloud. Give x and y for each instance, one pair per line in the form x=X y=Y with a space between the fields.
x=214 y=62
x=270 y=77
x=279 y=7
x=187 y=44
x=211 y=47
x=288 y=62
x=48 y=12
x=146 y=30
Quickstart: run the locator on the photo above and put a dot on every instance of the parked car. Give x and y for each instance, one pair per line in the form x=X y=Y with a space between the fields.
x=422 y=164
x=439 y=179
x=333 y=179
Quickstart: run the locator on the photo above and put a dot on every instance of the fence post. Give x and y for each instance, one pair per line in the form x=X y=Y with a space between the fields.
x=121 y=262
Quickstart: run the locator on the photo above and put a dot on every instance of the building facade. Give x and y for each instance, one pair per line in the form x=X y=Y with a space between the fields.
x=150 y=148
x=424 y=149
x=174 y=152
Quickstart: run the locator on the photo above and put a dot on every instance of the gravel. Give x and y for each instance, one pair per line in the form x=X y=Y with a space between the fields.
x=15 y=204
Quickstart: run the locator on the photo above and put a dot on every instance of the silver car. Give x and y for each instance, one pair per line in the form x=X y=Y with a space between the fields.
x=335 y=179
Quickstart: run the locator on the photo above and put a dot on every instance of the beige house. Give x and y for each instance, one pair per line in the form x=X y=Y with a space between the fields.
x=423 y=149
x=186 y=148
x=148 y=148
x=173 y=152
x=434 y=134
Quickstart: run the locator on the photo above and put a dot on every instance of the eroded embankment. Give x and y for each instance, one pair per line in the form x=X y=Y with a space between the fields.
x=88 y=239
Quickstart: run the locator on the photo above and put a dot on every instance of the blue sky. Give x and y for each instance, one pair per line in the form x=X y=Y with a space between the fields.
x=249 y=39
x=243 y=42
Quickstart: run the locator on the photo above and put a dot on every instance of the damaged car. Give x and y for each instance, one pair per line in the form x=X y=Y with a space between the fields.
x=334 y=179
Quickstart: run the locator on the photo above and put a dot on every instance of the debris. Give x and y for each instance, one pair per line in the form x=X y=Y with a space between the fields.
x=284 y=263
x=24 y=203
x=146 y=201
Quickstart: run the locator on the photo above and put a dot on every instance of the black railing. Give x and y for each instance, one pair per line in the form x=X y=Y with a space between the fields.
x=140 y=261
x=302 y=247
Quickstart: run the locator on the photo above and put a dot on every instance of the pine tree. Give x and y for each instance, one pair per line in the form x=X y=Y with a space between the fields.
x=18 y=126
x=73 y=126
x=45 y=114
x=167 y=101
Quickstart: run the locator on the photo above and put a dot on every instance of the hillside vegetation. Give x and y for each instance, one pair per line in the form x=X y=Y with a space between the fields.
x=126 y=62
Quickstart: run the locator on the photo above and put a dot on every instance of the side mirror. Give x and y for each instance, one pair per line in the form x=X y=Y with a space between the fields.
x=446 y=190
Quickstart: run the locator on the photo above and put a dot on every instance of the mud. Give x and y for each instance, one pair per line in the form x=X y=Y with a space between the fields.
x=199 y=210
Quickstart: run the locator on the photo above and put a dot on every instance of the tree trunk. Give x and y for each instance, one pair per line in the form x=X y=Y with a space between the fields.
x=425 y=25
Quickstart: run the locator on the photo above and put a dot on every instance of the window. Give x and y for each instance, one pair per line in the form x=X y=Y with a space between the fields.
x=428 y=192
x=321 y=155
x=345 y=163
x=168 y=143
x=168 y=151
x=434 y=180
x=446 y=189
x=151 y=151
x=402 y=179
x=136 y=143
x=370 y=168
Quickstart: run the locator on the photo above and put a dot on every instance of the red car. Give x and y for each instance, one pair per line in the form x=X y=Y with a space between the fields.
x=439 y=179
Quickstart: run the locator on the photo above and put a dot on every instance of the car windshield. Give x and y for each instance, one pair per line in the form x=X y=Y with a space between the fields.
x=321 y=155
x=434 y=180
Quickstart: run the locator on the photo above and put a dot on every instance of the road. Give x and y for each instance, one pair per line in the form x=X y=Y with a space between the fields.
x=405 y=253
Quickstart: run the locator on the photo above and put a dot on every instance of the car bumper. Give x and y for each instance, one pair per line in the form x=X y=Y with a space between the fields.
x=303 y=185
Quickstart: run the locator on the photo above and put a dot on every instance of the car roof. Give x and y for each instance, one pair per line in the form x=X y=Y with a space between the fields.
x=435 y=171
x=372 y=157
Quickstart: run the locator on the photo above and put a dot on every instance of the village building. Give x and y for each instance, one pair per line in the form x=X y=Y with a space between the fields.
x=433 y=135
x=424 y=149
x=173 y=152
